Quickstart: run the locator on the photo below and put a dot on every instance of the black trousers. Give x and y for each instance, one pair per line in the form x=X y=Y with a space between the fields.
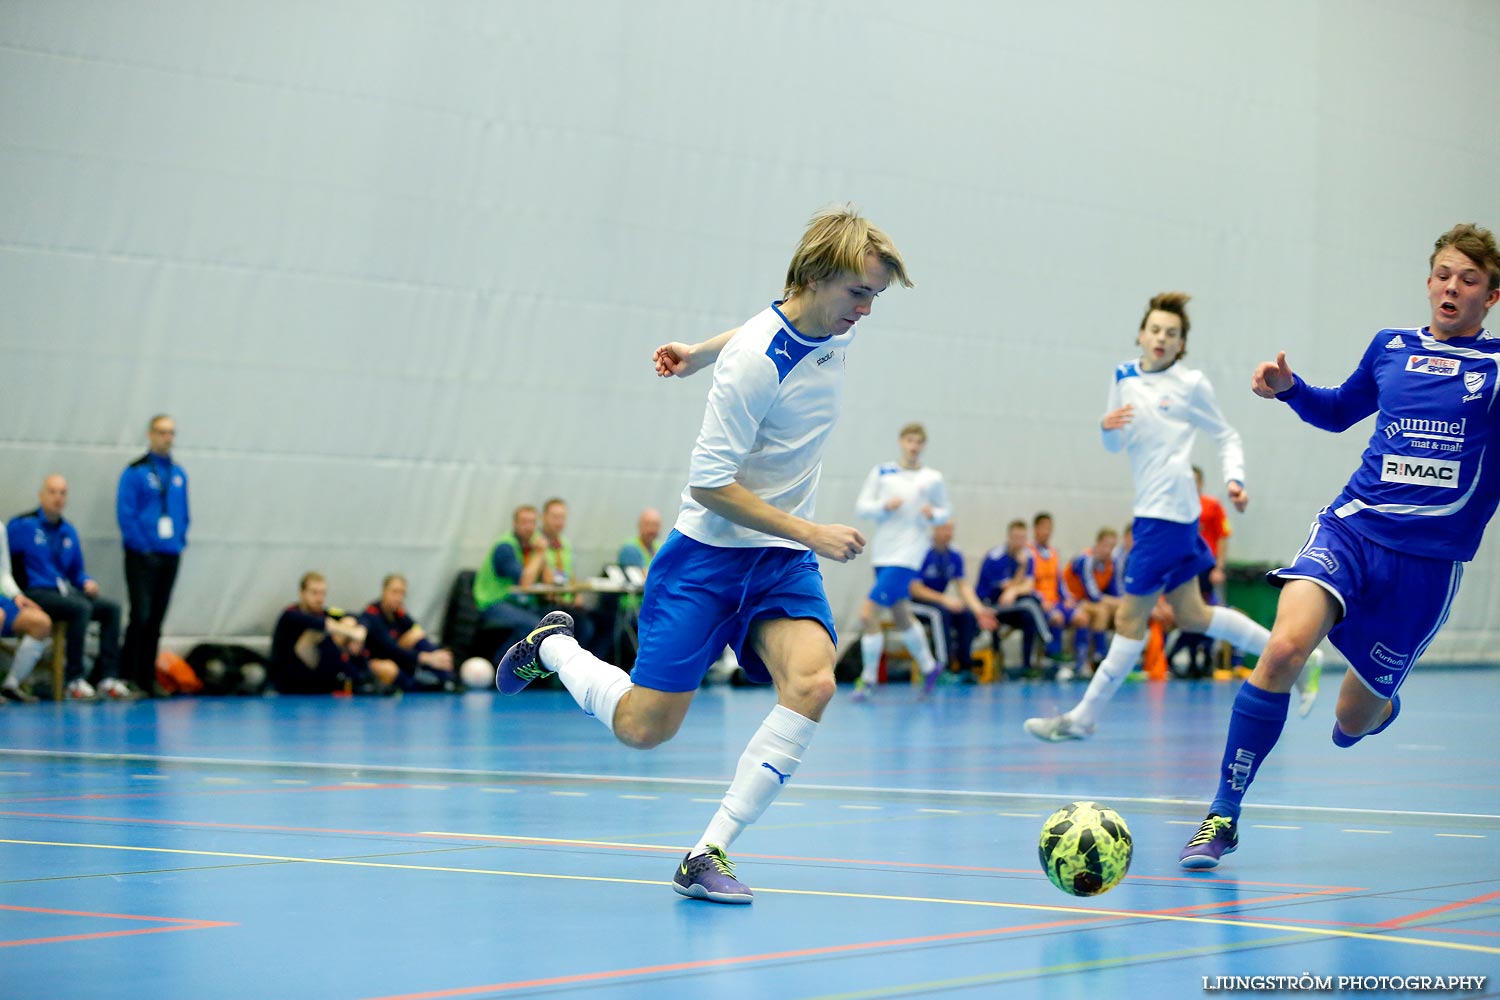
x=149 y=577
x=77 y=609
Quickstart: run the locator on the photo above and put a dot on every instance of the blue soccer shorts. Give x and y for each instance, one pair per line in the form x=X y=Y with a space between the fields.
x=700 y=598
x=9 y=610
x=1393 y=602
x=1164 y=555
x=892 y=584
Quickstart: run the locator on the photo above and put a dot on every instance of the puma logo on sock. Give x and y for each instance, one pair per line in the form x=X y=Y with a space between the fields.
x=781 y=778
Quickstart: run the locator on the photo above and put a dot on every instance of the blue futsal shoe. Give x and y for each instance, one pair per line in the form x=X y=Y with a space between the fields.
x=1218 y=836
x=522 y=662
x=710 y=876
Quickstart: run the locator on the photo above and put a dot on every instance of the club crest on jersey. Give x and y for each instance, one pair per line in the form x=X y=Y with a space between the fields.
x=1473 y=382
x=1432 y=366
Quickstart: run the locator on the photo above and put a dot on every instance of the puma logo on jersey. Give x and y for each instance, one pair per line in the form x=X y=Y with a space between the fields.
x=784 y=353
x=781 y=778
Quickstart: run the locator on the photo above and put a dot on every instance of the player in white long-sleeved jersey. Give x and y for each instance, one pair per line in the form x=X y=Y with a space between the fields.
x=904 y=499
x=1156 y=406
x=740 y=567
x=1382 y=564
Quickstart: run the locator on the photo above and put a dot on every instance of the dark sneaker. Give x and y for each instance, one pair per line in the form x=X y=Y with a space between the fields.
x=520 y=664
x=710 y=876
x=17 y=695
x=1218 y=836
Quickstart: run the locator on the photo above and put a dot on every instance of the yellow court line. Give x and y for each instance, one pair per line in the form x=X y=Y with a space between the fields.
x=985 y=903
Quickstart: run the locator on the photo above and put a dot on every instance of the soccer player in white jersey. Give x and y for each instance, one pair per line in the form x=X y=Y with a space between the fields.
x=1156 y=406
x=905 y=499
x=1381 y=567
x=740 y=567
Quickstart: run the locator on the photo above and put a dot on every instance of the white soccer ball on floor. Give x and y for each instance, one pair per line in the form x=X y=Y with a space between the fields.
x=477 y=673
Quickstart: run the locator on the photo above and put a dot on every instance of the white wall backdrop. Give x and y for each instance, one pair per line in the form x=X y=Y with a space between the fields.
x=396 y=267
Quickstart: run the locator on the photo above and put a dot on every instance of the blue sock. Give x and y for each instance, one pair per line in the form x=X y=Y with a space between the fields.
x=1101 y=643
x=1254 y=727
x=1081 y=647
x=1343 y=739
x=1054 y=648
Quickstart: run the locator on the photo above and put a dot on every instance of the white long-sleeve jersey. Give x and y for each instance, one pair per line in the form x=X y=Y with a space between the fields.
x=902 y=536
x=1169 y=407
x=775 y=397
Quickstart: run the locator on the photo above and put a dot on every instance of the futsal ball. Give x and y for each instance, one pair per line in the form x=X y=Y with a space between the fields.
x=476 y=672
x=1085 y=848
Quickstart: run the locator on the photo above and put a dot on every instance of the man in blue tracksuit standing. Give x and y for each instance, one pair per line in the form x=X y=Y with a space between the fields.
x=152 y=508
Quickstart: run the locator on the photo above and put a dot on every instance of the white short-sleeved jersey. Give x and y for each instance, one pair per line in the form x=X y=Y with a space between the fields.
x=1169 y=407
x=902 y=536
x=775 y=397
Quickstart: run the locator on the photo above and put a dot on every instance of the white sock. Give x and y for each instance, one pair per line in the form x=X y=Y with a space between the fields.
x=915 y=641
x=28 y=655
x=1116 y=666
x=870 y=648
x=1236 y=628
x=770 y=758
x=596 y=686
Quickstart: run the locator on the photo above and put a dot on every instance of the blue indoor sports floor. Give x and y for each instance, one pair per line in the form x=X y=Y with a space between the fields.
x=475 y=846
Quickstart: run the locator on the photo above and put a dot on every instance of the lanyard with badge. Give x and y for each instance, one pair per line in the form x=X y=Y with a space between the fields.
x=164 y=529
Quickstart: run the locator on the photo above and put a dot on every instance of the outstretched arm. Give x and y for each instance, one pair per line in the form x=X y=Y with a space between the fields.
x=682 y=360
x=733 y=502
x=1333 y=409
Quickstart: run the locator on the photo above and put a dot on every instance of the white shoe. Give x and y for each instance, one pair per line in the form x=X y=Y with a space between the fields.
x=115 y=689
x=1057 y=729
x=80 y=690
x=1307 y=683
x=1064 y=673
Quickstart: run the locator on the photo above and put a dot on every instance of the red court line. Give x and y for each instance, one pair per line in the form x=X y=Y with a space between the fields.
x=716 y=963
x=176 y=924
x=1397 y=922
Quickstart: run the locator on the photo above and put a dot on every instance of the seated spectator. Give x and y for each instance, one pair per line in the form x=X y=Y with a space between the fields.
x=318 y=650
x=551 y=564
x=638 y=551
x=19 y=616
x=48 y=561
x=392 y=634
x=1094 y=589
x=1007 y=588
x=963 y=615
x=501 y=611
x=1046 y=570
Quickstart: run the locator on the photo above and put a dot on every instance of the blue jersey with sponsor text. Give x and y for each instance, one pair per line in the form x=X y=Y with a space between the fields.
x=1427 y=484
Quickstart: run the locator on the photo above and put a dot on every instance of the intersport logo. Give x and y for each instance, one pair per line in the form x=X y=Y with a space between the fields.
x=1428 y=365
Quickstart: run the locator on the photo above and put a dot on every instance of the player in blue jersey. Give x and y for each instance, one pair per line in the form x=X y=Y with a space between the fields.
x=1156 y=407
x=740 y=567
x=1381 y=567
x=904 y=499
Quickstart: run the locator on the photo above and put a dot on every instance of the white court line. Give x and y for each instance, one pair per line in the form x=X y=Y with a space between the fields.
x=642 y=798
x=570 y=795
x=1368 y=831
x=717 y=783
x=1465 y=836
x=1269 y=826
x=152 y=777
x=290 y=781
x=1021 y=815
x=946 y=812
x=499 y=791
x=223 y=781
x=866 y=808
x=787 y=805
x=15 y=774
x=430 y=788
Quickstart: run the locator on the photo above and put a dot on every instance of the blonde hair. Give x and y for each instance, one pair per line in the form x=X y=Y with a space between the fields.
x=836 y=242
x=1474 y=243
x=312 y=576
x=914 y=428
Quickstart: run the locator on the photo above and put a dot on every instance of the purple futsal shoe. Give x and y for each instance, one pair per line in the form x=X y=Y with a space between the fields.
x=710 y=876
x=522 y=663
x=1218 y=836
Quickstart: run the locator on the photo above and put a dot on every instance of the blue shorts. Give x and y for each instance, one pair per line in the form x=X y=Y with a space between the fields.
x=700 y=598
x=892 y=584
x=9 y=610
x=1164 y=555
x=1393 y=602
